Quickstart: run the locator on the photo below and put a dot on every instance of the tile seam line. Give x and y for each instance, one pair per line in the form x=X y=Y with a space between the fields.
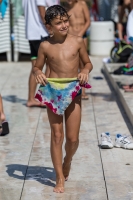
x=30 y=156
x=99 y=146
x=118 y=102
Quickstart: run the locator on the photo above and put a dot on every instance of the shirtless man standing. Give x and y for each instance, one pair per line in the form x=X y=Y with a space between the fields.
x=79 y=23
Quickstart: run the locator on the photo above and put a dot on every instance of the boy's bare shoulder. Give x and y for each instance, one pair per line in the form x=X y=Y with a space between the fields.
x=44 y=44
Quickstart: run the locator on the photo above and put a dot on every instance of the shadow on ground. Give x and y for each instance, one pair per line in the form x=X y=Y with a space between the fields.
x=14 y=99
x=44 y=175
x=105 y=96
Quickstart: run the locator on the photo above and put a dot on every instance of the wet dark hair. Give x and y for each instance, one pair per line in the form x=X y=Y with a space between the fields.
x=53 y=11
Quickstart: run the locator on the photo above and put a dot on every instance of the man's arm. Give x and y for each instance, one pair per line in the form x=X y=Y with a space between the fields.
x=41 y=7
x=131 y=4
x=127 y=2
x=87 y=18
x=0 y=1
x=42 y=13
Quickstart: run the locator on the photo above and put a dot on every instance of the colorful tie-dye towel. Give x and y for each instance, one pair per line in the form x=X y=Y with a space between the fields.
x=59 y=93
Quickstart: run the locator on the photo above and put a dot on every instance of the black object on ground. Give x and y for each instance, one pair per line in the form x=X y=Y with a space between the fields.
x=5 y=128
x=98 y=77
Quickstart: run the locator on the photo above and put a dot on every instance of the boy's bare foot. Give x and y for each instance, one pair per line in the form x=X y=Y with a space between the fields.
x=59 y=188
x=66 y=170
x=34 y=103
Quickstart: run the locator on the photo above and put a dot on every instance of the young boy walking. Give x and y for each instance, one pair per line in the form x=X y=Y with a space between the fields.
x=61 y=92
x=79 y=23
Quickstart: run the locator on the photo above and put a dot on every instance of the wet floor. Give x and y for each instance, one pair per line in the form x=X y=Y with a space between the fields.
x=26 y=170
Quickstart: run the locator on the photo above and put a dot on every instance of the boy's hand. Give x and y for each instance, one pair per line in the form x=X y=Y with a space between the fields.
x=40 y=77
x=83 y=76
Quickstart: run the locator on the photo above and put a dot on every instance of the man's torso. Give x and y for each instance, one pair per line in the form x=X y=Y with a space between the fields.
x=35 y=28
x=77 y=18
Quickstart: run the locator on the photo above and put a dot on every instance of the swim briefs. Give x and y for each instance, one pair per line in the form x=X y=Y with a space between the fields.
x=59 y=93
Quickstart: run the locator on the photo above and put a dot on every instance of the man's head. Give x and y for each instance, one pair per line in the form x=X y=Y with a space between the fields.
x=57 y=20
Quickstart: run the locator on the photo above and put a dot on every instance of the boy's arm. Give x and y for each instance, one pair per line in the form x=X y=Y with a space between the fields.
x=83 y=75
x=87 y=18
x=37 y=70
x=47 y=70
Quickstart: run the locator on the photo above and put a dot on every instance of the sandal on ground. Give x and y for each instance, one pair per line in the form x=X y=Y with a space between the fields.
x=85 y=97
x=5 y=128
x=0 y=129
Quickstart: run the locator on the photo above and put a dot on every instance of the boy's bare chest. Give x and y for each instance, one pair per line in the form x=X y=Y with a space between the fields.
x=62 y=53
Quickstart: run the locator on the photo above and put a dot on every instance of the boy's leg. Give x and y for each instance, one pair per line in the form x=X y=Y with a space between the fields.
x=34 y=46
x=72 y=121
x=2 y=115
x=57 y=137
x=32 y=88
